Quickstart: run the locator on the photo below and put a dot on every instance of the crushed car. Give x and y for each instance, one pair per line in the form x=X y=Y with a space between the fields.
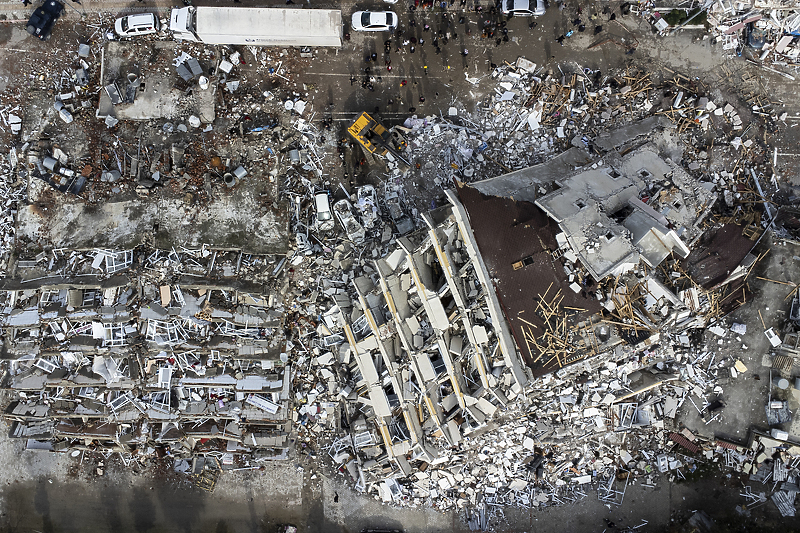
x=354 y=230
x=368 y=205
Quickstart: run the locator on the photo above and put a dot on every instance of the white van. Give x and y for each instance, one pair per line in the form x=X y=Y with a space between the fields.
x=325 y=220
x=141 y=24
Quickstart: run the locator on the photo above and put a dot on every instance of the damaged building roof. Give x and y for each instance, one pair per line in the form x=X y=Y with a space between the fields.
x=517 y=240
x=124 y=223
x=717 y=254
x=152 y=89
x=585 y=202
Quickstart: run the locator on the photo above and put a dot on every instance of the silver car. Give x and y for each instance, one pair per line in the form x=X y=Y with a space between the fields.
x=368 y=205
x=140 y=24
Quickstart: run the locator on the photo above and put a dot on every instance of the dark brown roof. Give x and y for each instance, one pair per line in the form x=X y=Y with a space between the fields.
x=717 y=254
x=508 y=231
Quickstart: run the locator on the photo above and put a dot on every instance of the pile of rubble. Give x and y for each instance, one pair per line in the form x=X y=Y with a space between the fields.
x=767 y=29
x=412 y=357
x=535 y=113
x=763 y=31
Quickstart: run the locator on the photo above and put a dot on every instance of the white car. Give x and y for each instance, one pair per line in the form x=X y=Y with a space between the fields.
x=368 y=205
x=523 y=8
x=324 y=217
x=374 y=21
x=344 y=212
x=133 y=25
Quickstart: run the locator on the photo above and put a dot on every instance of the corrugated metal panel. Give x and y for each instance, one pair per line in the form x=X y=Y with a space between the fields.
x=683 y=441
x=728 y=445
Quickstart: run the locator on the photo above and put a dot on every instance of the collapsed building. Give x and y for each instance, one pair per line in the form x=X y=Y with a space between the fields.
x=614 y=216
x=143 y=311
x=124 y=362
x=580 y=265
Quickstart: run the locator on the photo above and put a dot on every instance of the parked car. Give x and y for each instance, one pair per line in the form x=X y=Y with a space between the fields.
x=374 y=21
x=368 y=205
x=344 y=212
x=324 y=216
x=523 y=8
x=140 y=24
x=41 y=22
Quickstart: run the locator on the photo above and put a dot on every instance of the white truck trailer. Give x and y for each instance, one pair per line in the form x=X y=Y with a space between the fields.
x=257 y=26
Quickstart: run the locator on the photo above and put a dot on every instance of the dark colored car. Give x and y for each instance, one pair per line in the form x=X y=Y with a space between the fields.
x=42 y=20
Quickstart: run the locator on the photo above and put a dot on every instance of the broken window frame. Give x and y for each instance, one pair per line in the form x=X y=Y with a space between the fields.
x=169 y=332
x=48 y=297
x=159 y=400
x=115 y=334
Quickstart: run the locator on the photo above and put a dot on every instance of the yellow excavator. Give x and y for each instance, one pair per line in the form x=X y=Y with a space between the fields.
x=378 y=140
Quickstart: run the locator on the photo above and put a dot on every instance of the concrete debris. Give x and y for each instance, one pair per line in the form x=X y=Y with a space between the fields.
x=763 y=31
x=415 y=356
